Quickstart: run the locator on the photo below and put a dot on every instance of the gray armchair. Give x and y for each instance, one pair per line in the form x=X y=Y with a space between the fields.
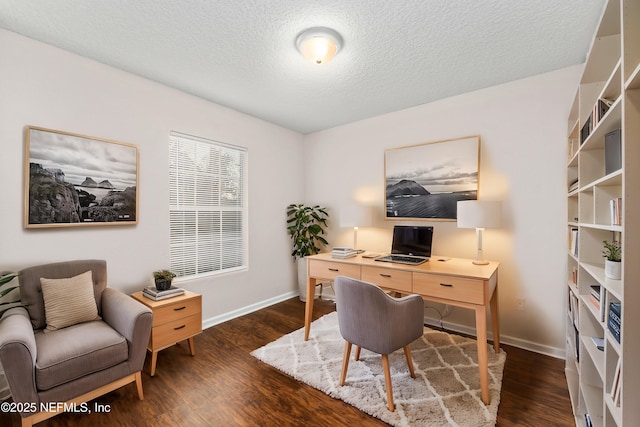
x=77 y=363
x=371 y=319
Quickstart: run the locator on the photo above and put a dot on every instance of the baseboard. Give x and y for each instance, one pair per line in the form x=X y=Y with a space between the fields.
x=212 y=321
x=515 y=342
x=558 y=353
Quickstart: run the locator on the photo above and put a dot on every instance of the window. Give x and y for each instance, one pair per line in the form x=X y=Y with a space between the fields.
x=207 y=206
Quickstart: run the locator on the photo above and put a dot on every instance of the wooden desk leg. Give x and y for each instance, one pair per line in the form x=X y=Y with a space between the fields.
x=192 y=346
x=154 y=361
x=308 y=306
x=495 y=321
x=483 y=357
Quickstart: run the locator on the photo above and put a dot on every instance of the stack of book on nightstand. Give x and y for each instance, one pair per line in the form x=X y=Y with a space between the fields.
x=152 y=293
x=343 y=252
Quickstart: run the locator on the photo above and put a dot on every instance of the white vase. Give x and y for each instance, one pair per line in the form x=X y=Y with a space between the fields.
x=613 y=269
x=302 y=278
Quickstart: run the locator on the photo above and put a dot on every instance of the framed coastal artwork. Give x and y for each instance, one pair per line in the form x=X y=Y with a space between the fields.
x=78 y=180
x=426 y=181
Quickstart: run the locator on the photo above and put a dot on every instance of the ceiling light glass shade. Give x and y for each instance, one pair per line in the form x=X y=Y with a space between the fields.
x=319 y=45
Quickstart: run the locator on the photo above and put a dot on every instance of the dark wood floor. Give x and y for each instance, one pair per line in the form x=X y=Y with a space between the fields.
x=223 y=385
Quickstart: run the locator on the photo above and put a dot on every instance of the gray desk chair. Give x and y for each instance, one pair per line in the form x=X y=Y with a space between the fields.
x=371 y=319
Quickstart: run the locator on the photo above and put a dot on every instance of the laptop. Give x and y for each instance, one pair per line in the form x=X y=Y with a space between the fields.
x=410 y=245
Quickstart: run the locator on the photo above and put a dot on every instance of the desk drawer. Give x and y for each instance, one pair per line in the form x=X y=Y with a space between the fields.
x=388 y=278
x=330 y=270
x=177 y=310
x=176 y=331
x=449 y=287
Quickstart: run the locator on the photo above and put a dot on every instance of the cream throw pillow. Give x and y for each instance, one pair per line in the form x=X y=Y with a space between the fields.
x=68 y=301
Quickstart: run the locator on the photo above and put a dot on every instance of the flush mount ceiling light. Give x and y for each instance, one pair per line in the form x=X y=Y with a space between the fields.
x=319 y=45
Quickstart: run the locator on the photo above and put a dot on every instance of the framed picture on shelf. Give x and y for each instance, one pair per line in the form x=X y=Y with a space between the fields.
x=426 y=181
x=77 y=180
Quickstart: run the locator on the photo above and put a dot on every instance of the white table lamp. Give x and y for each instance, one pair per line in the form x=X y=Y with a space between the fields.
x=479 y=215
x=356 y=216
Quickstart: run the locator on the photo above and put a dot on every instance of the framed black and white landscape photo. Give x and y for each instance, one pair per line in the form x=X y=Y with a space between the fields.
x=77 y=180
x=426 y=181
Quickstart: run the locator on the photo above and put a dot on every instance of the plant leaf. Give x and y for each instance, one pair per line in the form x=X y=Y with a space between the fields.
x=7 y=278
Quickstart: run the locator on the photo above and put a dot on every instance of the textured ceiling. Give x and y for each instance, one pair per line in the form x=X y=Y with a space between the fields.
x=241 y=53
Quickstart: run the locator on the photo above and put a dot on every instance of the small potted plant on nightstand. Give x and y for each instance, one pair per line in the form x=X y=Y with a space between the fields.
x=613 y=262
x=163 y=279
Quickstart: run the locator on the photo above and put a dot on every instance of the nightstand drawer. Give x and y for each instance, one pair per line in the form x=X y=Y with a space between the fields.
x=388 y=278
x=177 y=310
x=330 y=270
x=176 y=331
x=449 y=287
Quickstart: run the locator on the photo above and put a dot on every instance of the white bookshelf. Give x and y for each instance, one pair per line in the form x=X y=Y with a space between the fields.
x=612 y=72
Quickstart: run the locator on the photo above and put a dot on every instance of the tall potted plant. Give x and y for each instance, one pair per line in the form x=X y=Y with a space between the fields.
x=613 y=262
x=306 y=225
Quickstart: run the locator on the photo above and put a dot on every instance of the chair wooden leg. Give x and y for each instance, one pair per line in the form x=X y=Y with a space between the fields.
x=387 y=380
x=139 y=385
x=345 y=362
x=407 y=353
x=357 y=352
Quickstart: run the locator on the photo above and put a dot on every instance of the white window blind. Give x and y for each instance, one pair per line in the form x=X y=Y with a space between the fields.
x=207 y=206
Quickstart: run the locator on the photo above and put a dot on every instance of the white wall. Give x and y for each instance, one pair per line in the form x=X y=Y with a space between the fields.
x=43 y=86
x=522 y=126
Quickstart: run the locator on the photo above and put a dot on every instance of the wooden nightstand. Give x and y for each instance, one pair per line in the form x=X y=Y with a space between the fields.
x=174 y=320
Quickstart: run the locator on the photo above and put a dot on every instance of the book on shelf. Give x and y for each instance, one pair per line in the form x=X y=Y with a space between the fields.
x=153 y=293
x=574 y=185
x=587 y=420
x=612 y=151
x=616 y=384
x=597 y=297
x=577 y=343
x=586 y=130
x=571 y=340
x=598 y=111
x=573 y=244
x=615 y=207
x=613 y=320
x=598 y=342
x=343 y=252
x=575 y=314
x=573 y=307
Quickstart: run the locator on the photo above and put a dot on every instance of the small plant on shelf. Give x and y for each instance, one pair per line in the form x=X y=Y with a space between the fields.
x=612 y=251
x=613 y=255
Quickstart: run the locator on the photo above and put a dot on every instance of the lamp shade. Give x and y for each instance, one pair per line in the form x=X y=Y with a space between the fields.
x=479 y=214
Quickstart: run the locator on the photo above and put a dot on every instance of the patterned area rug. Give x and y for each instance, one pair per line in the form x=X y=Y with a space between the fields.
x=445 y=392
